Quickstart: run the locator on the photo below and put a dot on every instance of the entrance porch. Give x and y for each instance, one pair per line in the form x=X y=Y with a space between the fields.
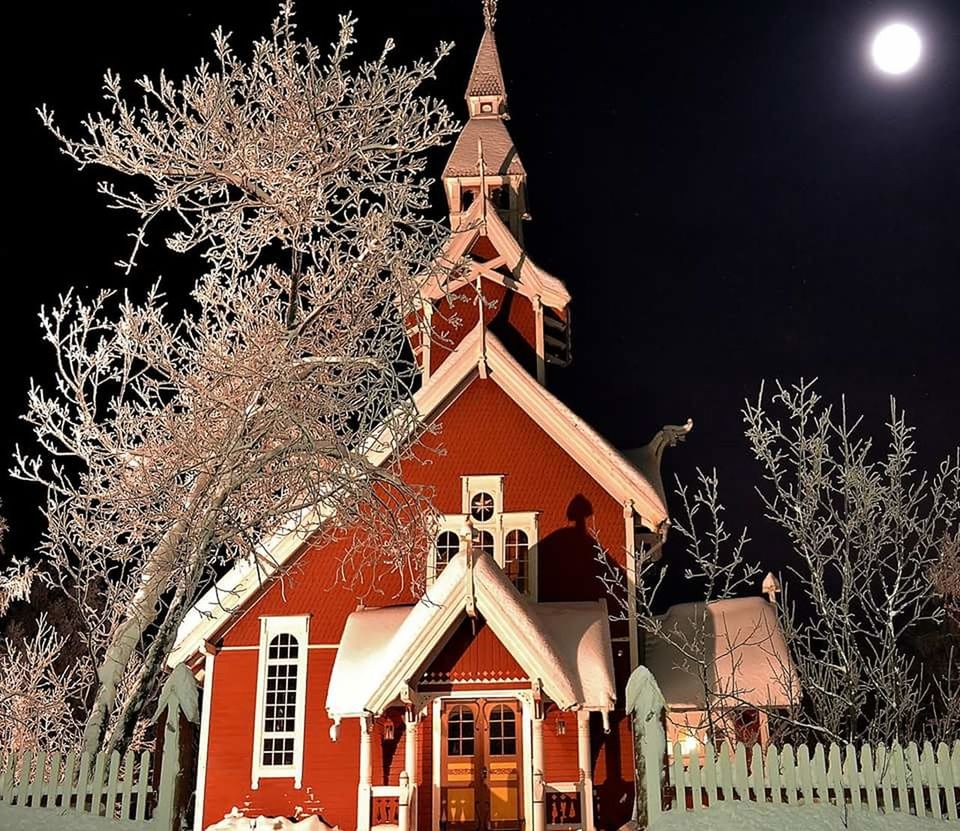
x=459 y=687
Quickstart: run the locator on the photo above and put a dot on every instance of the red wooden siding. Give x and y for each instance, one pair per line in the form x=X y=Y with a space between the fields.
x=560 y=750
x=483 y=431
x=329 y=769
x=612 y=770
x=466 y=656
x=509 y=315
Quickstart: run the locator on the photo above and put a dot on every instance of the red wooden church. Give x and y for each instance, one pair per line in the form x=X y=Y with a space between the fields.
x=498 y=702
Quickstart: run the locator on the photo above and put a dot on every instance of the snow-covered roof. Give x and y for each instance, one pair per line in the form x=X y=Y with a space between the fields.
x=742 y=644
x=564 y=645
x=500 y=157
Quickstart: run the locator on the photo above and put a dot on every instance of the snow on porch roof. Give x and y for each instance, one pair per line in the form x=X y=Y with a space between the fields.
x=564 y=645
x=743 y=645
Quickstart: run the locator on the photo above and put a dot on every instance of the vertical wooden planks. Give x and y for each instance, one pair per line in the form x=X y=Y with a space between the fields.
x=741 y=780
x=128 y=765
x=789 y=774
x=928 y=766
x=83 y=779
x=756 y=774
x=143 y=780
x=820 y=781
x=885 y=776
x=111 y=801
x=726 y=772
x=6 y=780
x=773 y=774
x=916 y=778
x=68 y=769
x=869 y=778
x=23 y=790
x=53 y=785
x=36 y=793
x=947 y=780
x=804 y=775
x=696 y=789
x=96 y=785
x=710 y=773
x=899 y=773
x=851 y=776
x=679 y=780
x=835 y=775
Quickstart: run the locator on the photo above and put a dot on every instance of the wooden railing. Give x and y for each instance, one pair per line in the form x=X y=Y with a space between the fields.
x=911 y=780
x=564 y=808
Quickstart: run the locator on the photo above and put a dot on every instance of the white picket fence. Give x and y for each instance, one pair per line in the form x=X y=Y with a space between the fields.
x=922 y=782
x=109 y=787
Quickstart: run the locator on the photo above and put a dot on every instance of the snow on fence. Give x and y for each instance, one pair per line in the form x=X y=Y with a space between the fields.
x=911 y=780
x=119 y=791
x=105 y=786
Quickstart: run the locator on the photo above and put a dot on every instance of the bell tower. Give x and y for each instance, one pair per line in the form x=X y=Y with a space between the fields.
x=484 y=158
x=488 y=284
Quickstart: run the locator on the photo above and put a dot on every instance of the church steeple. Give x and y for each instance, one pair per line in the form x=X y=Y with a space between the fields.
x=486 y=93
x=503 y=179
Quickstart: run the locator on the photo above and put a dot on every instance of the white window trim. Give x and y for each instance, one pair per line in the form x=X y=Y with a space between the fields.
x=270 y=627
x=500 y=524
x=488 y=483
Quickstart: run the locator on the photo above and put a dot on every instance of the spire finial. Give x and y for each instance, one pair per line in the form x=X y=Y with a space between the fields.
x=489 y=13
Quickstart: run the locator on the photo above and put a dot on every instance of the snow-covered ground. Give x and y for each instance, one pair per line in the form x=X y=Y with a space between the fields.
x=739 y=816
x=751 y=816
x=28 y=819
x=41 y=819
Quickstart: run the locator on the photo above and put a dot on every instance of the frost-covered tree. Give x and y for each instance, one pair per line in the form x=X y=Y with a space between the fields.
x=871 y=539
x=171 y=443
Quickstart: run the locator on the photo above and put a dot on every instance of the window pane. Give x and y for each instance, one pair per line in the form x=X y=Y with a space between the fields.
x=481 y=507
x=516 y=559
x=460 y=732
x=280 y=701
x=448 y=544
x=503 y=731
x=483 y=541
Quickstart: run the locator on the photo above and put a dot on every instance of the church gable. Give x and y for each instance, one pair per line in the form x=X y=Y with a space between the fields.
x=482 y=431
x=472 y=655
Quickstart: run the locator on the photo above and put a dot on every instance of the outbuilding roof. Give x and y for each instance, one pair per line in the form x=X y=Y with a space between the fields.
x=742 y=646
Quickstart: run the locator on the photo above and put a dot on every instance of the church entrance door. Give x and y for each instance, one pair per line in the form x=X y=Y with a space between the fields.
x=480 y=766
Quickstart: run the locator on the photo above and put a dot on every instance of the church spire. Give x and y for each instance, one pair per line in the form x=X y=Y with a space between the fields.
x=504 y=179
x=486 y=93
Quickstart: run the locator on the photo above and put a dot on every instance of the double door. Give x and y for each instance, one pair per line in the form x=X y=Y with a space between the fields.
x=481 y=765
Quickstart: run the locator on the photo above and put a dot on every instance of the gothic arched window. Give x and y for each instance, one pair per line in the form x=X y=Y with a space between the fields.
x=448 y=544
x=483 y=541
x=516 y=559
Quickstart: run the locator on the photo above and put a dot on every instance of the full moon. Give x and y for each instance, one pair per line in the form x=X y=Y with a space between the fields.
x=896 y=49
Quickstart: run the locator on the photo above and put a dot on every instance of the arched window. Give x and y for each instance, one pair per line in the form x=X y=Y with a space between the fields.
x=460 y=732
x=280 y=703
x=481 y=506
x=516 y=559
x=448 y=544
x=483 y=541
x=503 y=731
x=281 y=693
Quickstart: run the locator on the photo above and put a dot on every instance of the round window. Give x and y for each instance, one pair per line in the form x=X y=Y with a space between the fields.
x=481 y=507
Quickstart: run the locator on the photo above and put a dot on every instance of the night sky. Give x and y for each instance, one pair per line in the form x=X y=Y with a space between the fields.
x=729 y=191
